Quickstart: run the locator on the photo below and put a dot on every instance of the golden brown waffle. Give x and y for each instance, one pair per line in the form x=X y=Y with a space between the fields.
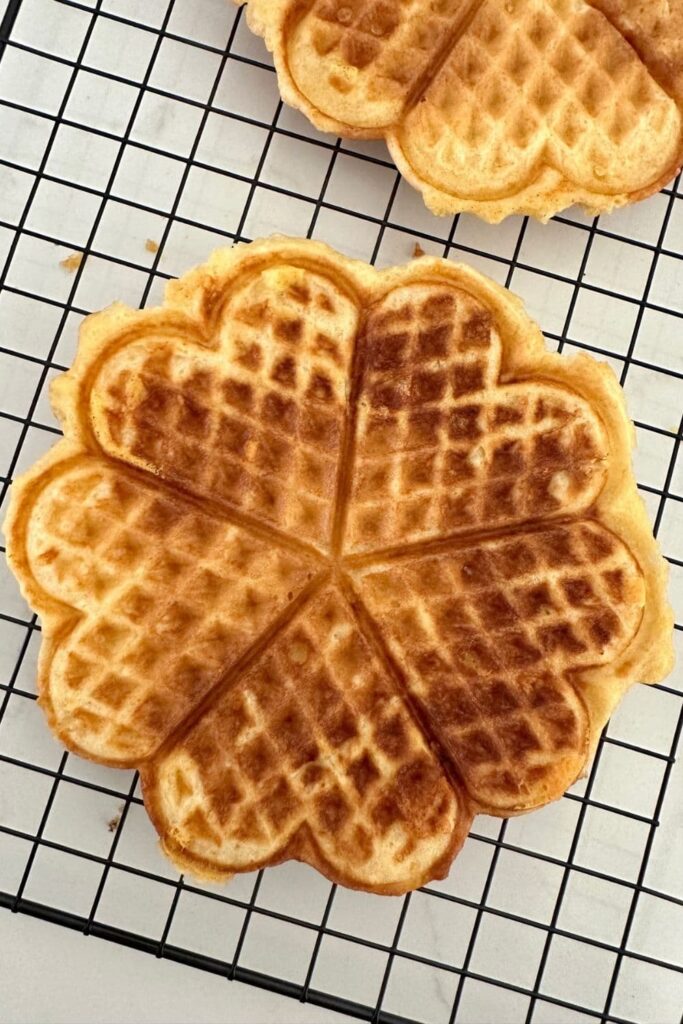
x=337 y=559
x=494 y=106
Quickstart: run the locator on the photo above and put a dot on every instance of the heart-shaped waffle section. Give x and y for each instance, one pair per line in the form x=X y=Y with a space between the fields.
x=454 y=447
x=337 y=558
x=249 y=413
x=165 y=597
x=494 y=106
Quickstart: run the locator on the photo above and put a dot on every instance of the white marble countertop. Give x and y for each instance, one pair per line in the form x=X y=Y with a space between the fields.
x=57 y=976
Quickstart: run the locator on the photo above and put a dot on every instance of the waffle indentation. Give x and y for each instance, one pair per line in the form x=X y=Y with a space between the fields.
x=442 y=447
x=488 y=639
x=335 y=752
x=255 y=419
x=168 y=596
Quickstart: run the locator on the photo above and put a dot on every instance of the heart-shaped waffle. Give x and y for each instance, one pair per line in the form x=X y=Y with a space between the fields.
x=336 y=558
x=494 y=106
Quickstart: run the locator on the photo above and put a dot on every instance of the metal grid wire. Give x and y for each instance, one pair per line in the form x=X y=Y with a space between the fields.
x=130 y=122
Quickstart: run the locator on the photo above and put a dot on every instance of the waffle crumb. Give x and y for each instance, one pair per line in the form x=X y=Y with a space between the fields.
x=418 y=251
x=151 y=245
x=72 y=262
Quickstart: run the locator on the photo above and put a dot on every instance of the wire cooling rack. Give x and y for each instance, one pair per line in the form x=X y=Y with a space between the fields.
x=142 y=134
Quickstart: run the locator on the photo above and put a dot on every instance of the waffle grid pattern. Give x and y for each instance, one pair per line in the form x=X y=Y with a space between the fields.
x=260 y=769
x=269 y=466
x=117 y=541
x=479 y=94
x=456 y=450
x=307 y=191
x=504 y=616
x=500 y=102
x=358 y=34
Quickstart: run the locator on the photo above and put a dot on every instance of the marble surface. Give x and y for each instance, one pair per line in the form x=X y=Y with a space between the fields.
x=59 y=977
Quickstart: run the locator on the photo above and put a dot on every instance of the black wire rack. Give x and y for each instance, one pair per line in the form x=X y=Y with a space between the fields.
x=135 y=136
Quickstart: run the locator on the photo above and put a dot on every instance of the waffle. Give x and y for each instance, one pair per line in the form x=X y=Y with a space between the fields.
x=337 y=558
x=494 y=106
